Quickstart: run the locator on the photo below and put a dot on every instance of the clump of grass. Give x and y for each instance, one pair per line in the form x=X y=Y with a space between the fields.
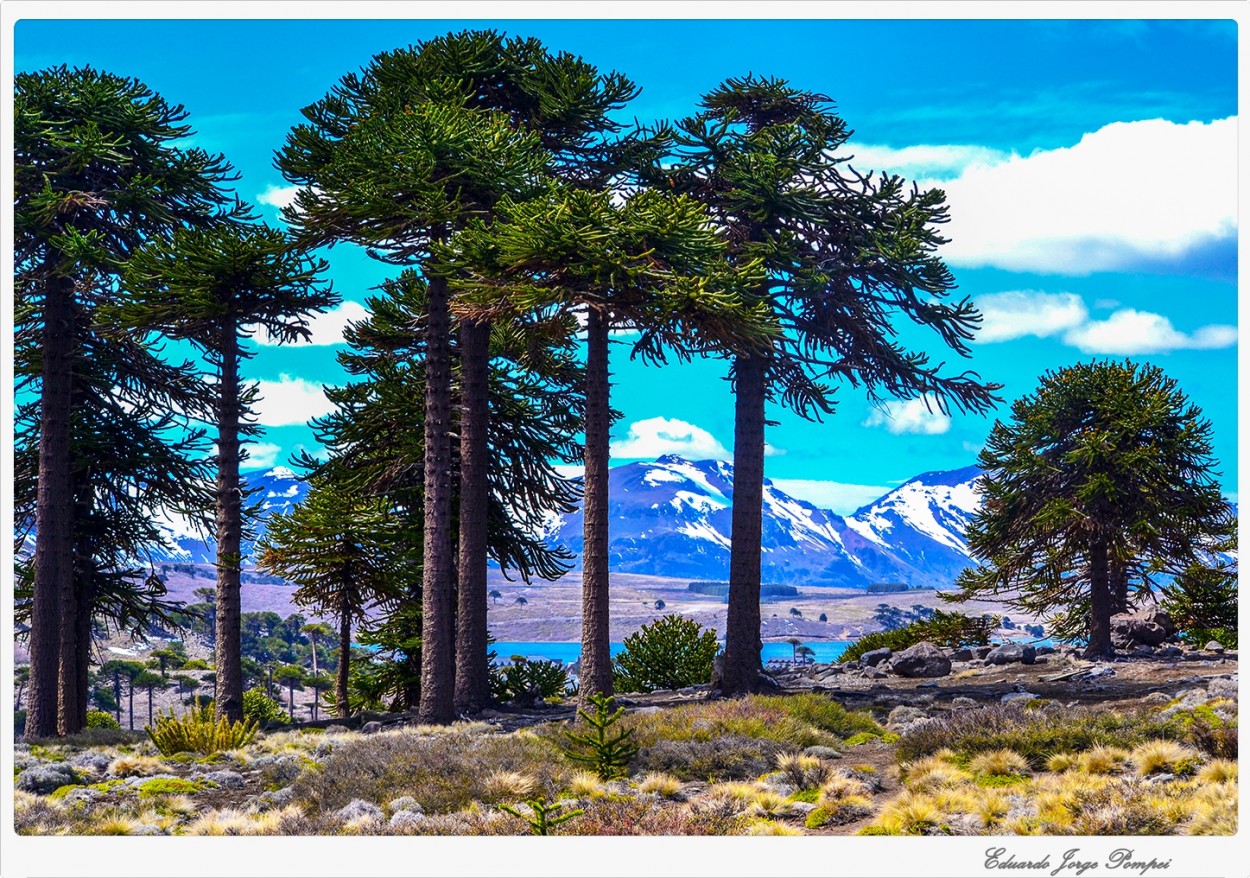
x=932 y=772
x=911 y=813
x=740 y=793
x=1061 y=762
x=169 y=786
x=846 y=809
x=767 y=803
x=803 y=772
x=626 y=815
x=771 y=827
x=657 y=782
x=1102 y=760
x=998 y=763
x=1218 y=771
x=132 y=765
x=509 y=785
x=585 y=785
x=1158 y=757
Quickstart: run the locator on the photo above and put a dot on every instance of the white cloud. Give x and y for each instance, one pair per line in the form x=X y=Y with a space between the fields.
x=839 y=497
x=923 y=162
x=278 y=196
x=655 y=436
x=327 y=328
x=1128 y=331
x=909 y=416
x=1026 y=312
x=1126 y=194
x=261 y=455
x=290 y=402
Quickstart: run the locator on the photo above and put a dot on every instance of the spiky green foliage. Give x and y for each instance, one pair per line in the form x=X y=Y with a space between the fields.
x=548 y=678
x=1105 y=473
x=263 y=710
x=940 y=629
x=844 y=257
x=99 y=169
x=543 y=816
x=669 y=653
x=1202 y=598
x=197 y=731
x=605 y=751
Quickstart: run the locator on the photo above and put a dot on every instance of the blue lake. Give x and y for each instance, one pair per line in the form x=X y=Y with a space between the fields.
x=825 y=650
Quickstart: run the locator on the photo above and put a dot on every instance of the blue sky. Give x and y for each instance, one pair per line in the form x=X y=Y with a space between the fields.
x=1090 y=167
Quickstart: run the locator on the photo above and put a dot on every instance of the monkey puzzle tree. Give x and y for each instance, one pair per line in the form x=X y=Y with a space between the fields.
x=843 y=255
x=653 y=262
x=214 y=287
x=1106 y=463
x=338 y=548
x=377 y=447
x=545 y=110
x=313 y=631
x=97 y=171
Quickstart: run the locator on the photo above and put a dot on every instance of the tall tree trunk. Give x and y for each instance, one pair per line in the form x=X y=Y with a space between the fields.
x=1100 y=600
x=150 y=688
x=313 y=639
x=472 y=672
x=596 y=660
x=229 y=685
x=76 y=639
x=1119 y=588
x=54 y=539
x=117 y=696
x=130 y=704
x=438 y=659
x=741 y=669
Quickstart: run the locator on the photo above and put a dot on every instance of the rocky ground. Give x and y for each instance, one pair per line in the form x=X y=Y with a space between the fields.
x=998 y=743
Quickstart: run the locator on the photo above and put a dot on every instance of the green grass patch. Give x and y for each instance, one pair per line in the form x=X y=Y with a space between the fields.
x=171 y=786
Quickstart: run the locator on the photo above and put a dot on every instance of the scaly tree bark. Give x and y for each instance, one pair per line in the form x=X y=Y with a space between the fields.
x=207 y=286
x=596 y=659
x=97 y=171
x=844 y=254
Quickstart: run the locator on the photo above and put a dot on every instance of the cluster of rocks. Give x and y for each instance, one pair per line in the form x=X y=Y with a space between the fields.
x=926 y=660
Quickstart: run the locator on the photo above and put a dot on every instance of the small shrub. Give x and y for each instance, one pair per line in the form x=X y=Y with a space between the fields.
x=98 y=719
x=822 y=712
x=542 y=816
x=803 y=772
x=607 y=753
x=670 y=653
x=196 y=732
x=263 y=710
x=940 y=629
x=730 y=757
x=1000 y=763
x=549 y=679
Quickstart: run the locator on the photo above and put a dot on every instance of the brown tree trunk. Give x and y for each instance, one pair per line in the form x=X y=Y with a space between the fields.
x=438 y=637
x=472 y=672
x=1100 y=600
x=229 y=686
x=596 y=660
x=76 y=644
x=54 y=539
x=741 y=669
x=345 y=652
x=1119 y=588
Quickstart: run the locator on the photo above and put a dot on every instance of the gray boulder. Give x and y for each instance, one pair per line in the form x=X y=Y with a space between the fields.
x=1214 y=646
x=407 y=819
x=1148 y=626
x=902 y=717
x=91 y=760
x=1008 y=653
x=961 y=702
x=963 y=654
x=359 y=809
x=821 y=752
x=874 y=657
x=47 y=778
x=371 y=728
x=922 y=660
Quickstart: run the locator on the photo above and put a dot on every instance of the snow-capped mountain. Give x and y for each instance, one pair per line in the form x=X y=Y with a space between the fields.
x=673 y=518
x=275 y=490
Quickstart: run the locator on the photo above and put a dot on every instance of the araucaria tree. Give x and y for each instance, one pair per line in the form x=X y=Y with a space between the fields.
x=398 y=159
x=1107 y=466
x=214 y=287
x=338 y=548
x=98 y=171
x=845 y=256
x=654 y=262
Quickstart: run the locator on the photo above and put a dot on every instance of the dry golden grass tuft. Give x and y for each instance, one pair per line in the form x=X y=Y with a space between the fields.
x=509 y=785
x=133 y=765
x=663 y=785
x=1159 y=757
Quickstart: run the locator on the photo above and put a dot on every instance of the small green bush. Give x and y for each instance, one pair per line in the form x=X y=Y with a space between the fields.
x=196 y=732
x=670 y=653
x=605 y=751
x=98 y=719
x=549 y=678
x=543 y=816
x=940 y=629
x=263 y=710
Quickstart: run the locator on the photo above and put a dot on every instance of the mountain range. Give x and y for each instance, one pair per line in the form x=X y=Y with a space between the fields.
x=671 y=517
